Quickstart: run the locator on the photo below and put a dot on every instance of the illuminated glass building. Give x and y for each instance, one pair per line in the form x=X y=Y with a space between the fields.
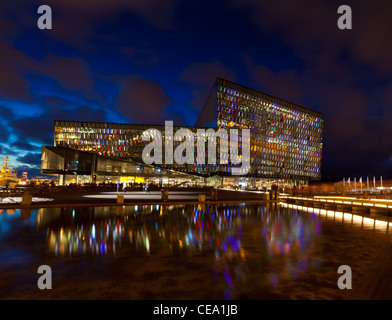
x=85 y=151
x=286 y=139
x=285 y=143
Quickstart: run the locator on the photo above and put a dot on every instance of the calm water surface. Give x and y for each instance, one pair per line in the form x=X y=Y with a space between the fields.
x=239 y=251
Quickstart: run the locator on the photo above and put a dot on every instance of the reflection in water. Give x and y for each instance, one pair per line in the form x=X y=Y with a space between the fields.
x=250 y=246
x=290 y=239
x=283 y=238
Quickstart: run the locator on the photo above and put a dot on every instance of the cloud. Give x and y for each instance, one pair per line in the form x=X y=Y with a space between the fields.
x=12 y=83
x=31 y=158
x=8 y=152
x=285 y=84
x=373 y=29
x=23 y=145
x=4 y=135
x=72 y=74
x=201 y=76
x=142 y=100
x=5 y=113
x=205 y=73
x=140 y=56
x=77 y=23
x=39 y=129
x=157 y=13
x=313 y=32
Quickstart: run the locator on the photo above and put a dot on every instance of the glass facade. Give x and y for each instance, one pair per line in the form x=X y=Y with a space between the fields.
x=122 y=141
x=80 y=166
x=285 y=139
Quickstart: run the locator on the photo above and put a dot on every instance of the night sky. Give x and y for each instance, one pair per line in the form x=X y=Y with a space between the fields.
x=147 y=61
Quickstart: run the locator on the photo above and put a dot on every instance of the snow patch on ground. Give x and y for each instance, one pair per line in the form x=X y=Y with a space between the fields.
x=19 y=199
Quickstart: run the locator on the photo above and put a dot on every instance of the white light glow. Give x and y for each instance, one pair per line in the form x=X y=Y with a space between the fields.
x=338 y=215
x=357 y=219
x=368 y=222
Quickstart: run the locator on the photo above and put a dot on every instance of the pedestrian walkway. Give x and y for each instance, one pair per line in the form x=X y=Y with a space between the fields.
x=107 y=198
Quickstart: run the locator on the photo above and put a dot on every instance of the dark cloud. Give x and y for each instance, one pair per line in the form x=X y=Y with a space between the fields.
x=22 y=145
x=284 y=84
x=201 y=76
x=4 y=135
x=156 y=12
x=140 y=57
x=33 y=159
x=313 y=33
x=5 y=116
x=73 y=74
x=76 y=22
x=40 y=129
x=5 y=113
x=142 y=100
x=12 y=83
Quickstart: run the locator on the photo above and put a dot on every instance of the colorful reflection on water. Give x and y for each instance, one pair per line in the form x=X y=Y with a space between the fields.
x=100 y=230
x=246 y=248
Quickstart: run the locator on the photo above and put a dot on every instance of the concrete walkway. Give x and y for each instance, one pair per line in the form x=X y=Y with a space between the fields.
x=139 y=197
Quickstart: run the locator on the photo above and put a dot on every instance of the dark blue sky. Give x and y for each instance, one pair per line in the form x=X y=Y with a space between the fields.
x=147 y=61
